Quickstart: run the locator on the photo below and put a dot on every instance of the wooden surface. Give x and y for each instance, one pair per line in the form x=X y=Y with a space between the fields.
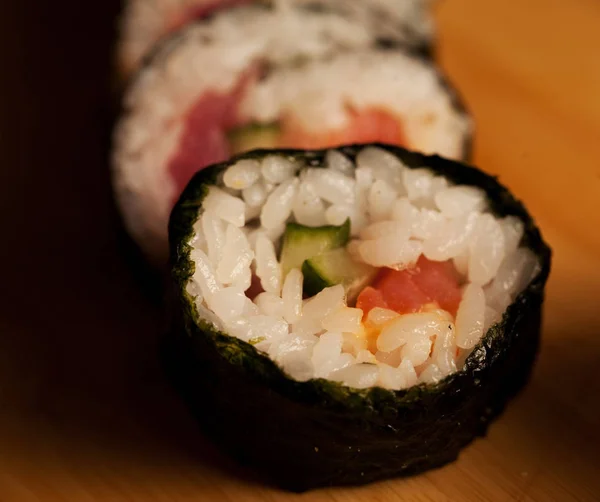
x=85 y=414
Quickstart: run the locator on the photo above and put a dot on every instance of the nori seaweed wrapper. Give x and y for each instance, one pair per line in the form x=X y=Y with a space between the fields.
x=304 y=435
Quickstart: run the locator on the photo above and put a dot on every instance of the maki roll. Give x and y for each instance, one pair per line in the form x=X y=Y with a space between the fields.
x=254 y=77
x=145 y=23
x=347 y=315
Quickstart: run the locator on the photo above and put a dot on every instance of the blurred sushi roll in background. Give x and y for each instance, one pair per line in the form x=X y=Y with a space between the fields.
x=145 y=22
x=278 y=75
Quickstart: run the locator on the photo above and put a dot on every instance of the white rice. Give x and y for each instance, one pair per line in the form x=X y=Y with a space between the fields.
x=278 y=207
x=243 y=175
x=323 y=337
x=308 y=207
x=267 y=267
x=236 y=257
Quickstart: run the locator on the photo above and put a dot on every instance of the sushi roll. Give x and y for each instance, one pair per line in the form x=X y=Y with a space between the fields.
x=145 y=23
x=365 y=318
x=254 y=77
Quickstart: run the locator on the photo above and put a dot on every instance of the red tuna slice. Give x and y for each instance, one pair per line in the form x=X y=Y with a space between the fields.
x=199 y=10
x=406 y=291
x=368 y=299
x=365 y=126
x=203 y=141
x=439 y=281
x=400 y=291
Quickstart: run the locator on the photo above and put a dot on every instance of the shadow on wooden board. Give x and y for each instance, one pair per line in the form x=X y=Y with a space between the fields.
x=79 y=370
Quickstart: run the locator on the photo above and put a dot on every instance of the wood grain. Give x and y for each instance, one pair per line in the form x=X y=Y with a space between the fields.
x=85 y=414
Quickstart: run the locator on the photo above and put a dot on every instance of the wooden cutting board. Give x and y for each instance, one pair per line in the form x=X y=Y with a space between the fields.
x=84 y=412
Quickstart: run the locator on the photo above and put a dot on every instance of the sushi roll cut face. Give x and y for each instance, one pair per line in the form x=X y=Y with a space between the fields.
x=254 y=77
x=362 y=272
x=365 y=311
x=145 y=23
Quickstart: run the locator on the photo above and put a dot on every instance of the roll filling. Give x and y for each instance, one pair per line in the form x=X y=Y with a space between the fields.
x=363 y=272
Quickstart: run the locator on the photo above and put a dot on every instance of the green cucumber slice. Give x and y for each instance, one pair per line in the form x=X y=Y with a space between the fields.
x=301 y=242
x=251 y=137
x=336 y=267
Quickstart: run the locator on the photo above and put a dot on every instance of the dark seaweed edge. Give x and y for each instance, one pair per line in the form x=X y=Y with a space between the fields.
x=323 y=392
